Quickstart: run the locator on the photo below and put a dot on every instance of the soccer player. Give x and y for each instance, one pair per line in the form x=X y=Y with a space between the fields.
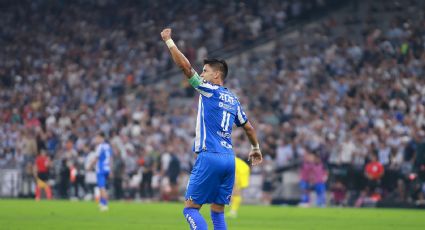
x=241 y=182
x=42 y=164
x=212 y=178
x=103 y=167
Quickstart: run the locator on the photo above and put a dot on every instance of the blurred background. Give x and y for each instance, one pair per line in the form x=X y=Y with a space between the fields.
x=335 y=84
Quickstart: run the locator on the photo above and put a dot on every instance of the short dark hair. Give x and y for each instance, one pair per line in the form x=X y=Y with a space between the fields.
x=101 y=134
x=219 y=65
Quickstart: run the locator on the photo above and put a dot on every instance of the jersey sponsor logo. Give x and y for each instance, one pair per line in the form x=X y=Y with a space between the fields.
x=225 y=106
x=227 y=98
x=226 y=145
x=223 y=134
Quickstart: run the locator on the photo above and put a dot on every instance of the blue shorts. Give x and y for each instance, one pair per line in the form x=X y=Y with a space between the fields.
x=212 y=178
x=102 y=179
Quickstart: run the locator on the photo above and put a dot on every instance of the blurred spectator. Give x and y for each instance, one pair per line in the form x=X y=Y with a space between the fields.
x=374 y=170
x=173 y=173
x=64 y=180
x=146 y=190
x=78 y=184
x=268 y=178
x=339 y=192
x=118 y=173
x=41 y=171
x=313 y=177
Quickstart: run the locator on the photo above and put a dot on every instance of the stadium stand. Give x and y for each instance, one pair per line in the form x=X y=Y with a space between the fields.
x=344 y=87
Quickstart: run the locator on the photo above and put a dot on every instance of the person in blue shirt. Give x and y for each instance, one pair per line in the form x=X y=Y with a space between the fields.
x=212 y=178
x=103 y=167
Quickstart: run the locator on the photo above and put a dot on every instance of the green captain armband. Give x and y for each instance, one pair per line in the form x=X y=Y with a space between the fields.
x=195 y=80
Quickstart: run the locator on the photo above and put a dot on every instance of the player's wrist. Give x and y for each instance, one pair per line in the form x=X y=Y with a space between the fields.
x=255 y=147
x=170 y=43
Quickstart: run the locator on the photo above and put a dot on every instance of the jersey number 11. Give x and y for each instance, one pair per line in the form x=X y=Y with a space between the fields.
x=225 y=121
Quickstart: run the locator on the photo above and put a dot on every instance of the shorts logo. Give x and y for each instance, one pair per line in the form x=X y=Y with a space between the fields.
x=229 y=197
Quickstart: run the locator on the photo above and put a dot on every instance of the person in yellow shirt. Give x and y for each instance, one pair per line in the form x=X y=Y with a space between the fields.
x=242 y=172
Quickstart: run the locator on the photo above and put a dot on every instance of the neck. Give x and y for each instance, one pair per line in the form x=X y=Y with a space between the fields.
x=217 y=82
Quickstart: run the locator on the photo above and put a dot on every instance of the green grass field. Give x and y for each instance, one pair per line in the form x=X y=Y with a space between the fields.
x=29 y=214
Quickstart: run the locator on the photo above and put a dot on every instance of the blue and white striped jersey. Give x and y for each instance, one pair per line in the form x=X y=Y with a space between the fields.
x=218 y=110
x=104 y=154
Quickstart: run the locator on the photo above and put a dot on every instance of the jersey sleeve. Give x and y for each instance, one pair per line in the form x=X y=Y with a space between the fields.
x=203 y=87
x=241 y=117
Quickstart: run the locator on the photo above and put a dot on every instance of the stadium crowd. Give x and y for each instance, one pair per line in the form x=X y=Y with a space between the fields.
x=326 y=94
x=76 y=72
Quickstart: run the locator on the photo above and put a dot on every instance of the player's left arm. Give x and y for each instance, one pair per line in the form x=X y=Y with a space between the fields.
x=255 y=156
x=241 y=120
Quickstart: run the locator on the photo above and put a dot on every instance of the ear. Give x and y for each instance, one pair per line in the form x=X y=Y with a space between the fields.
x=217 y=75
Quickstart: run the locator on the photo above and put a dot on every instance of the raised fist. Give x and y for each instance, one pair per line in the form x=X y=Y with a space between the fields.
x=166 y=34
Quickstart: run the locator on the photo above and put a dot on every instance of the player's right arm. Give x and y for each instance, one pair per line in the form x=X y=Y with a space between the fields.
x=178 y=57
